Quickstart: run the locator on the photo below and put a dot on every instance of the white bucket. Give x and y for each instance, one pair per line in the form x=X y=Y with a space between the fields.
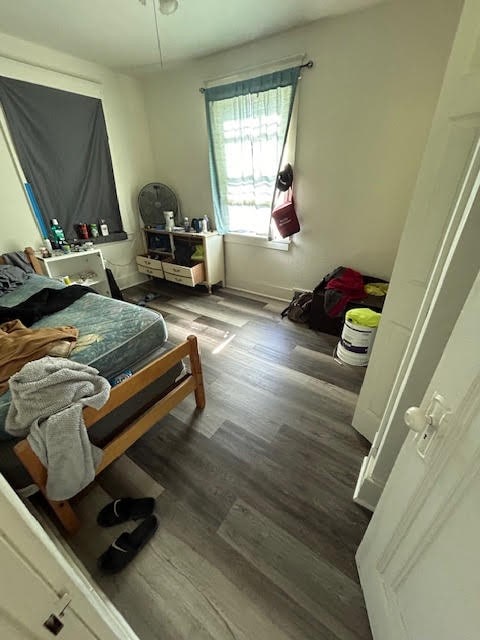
x=356 y=344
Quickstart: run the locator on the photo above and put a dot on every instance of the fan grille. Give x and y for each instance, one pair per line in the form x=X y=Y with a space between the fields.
x=155 y=198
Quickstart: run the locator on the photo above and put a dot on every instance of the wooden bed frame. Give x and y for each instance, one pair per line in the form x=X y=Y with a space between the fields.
x=192 y=382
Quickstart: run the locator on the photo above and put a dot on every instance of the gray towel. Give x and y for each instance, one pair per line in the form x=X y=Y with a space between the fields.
x=19 y=259
x=10 y=278
x=47 y=400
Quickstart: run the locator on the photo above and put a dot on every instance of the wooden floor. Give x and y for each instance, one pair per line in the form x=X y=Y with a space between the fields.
x=258 y=529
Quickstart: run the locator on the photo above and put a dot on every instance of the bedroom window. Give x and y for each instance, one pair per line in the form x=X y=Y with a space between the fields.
x=248 y=123
x=61 y=141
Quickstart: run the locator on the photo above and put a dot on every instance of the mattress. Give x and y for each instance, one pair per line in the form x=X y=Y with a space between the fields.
x=126 y=335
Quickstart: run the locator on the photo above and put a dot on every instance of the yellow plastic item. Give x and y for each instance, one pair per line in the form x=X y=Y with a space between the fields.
x=199 y=253
x=364 y=317
x=376 y=288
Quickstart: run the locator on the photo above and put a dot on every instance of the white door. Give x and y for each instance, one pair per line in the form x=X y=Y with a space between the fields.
x=419 y=560
x=42 y=594
x=446 y=159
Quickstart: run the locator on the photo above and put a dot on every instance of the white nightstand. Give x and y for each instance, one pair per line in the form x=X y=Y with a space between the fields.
x=83 y=267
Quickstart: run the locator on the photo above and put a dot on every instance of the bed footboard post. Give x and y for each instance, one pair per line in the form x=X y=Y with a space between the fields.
x=34 y=261
x=196 y=366
x=38 y=473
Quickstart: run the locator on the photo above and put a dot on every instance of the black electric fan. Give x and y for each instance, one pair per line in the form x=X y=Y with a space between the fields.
x=155 y=198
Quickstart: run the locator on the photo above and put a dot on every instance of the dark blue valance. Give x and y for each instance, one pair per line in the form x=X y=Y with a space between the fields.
x=267 y=82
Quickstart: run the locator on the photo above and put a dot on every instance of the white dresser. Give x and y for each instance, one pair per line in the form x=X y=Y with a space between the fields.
x=160 y=261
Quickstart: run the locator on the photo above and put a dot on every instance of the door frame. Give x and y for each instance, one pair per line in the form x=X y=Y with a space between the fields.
x=94 y=601
x=451 y=244
x=371 y=480
x=448 y=152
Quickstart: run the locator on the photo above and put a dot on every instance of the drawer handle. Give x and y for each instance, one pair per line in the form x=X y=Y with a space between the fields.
x=177 y=270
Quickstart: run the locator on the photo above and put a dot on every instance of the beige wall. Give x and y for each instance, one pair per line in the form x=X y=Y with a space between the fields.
x=129 y=143
x=364 y=114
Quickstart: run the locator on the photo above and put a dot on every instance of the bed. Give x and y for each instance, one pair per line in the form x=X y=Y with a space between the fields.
x=124 y=336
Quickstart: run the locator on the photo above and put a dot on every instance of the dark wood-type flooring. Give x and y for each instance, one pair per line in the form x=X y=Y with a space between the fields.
x=258 y=530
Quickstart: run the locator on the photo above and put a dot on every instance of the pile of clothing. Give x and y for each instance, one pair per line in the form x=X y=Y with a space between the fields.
x=339 y=291
x=324 y=308
x=49 y=391
x=341 y=287
x=20 y=344
x=48 y=397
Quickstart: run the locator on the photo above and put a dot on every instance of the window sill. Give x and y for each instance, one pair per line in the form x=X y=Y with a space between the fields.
x=257 y=241
x=117 y=236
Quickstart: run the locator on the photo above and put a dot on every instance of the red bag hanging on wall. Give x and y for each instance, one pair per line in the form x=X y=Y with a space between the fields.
x=285 y=216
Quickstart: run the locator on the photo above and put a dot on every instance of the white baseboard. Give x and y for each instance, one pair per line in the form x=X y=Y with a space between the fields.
x=254 y=295
x=131 y=280
x=367 y=492
x=264 y=289
x=365 y=422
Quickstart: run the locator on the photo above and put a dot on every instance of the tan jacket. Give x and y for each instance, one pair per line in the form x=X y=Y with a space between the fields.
x=19 y=345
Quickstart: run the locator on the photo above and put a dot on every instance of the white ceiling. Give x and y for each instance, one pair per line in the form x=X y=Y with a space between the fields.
x=121 y=33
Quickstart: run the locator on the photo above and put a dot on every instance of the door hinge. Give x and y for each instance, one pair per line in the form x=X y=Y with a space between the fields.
x=54 y=623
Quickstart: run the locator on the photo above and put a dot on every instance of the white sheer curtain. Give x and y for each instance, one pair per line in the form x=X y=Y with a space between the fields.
x=248 y=124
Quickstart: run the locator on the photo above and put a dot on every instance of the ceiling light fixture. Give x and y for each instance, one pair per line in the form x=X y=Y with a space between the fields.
x=167 y=7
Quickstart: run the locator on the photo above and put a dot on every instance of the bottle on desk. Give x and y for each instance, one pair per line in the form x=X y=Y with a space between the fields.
x=93 y=230
x=48 y=247
x=57 y=233
x=103 y=228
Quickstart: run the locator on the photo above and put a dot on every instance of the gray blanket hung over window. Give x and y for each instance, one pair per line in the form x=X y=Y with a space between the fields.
x=62 y=145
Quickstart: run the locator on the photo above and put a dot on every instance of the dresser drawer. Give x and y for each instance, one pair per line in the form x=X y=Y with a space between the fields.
x=150 y=267
x=155 y=273
x=189 y=276
x=145 y=261
x=188 y=282
x=176 y=269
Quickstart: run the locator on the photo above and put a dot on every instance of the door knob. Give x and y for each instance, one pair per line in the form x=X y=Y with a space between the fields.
x=426 y=423
x=416 y=419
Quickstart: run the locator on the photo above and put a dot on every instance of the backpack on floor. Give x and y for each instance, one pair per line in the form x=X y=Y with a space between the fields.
x=299 y=308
